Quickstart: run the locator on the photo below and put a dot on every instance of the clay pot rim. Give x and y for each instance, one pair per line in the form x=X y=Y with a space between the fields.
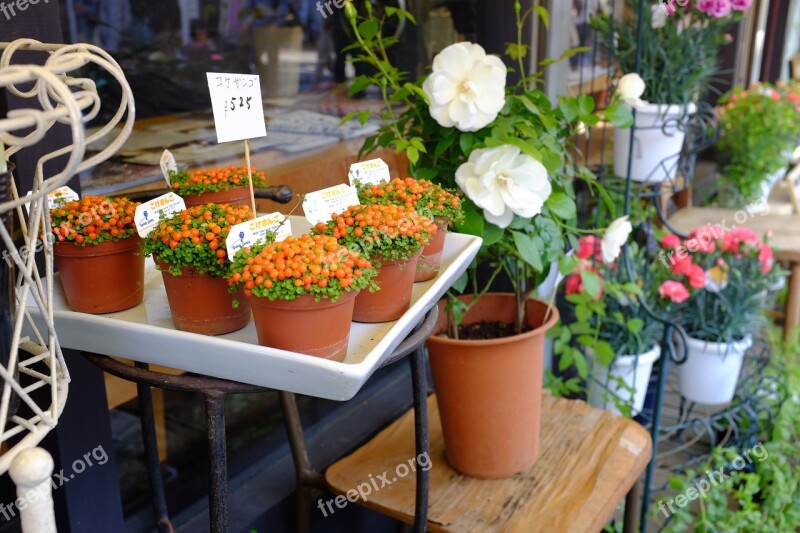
x=164 y=269
x=398 y=262
x=73 y=249
x=304 y=301
x=540 y=330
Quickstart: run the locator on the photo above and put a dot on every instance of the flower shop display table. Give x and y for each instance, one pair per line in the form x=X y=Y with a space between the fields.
x=785 y=239
x=588 y=460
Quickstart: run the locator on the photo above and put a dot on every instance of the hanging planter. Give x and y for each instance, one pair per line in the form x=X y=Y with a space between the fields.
x=626 y=379
x=302 y=290
x=218 y=186
x=391 y=237
x=96 y=254
x=427 y=198
x=189 y=249
x=490 y=391
x=711 y=371
x=658 y=138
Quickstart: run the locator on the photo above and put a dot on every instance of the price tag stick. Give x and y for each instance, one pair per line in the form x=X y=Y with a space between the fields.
x=250 y=176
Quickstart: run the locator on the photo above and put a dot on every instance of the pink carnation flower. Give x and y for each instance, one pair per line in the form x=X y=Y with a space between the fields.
x=673 y=290
x=671 y=241
x=765 y=258
x=741 y=5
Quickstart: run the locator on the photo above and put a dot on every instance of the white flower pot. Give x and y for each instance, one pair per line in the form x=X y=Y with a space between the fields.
x=770 y=181
x=633 y=370
x=657 y=142
x=711 y=371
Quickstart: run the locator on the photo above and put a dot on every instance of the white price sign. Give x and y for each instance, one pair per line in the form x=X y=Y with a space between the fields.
x=168 y=164
x=320 y=205
x=148 y=214
x=370 y=172
x=255 y=231
x=238 y=109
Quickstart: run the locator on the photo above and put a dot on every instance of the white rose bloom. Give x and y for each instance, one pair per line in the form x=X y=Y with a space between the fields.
x=616 y=235
x=659 y=16
x=467 y=88
x=630 y=89
x=503 y=181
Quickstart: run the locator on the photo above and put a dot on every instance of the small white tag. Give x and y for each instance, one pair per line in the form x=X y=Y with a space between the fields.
x=237 y=106
x=369 y=172
x=61 y=196
x=320 y=205
x=148 y=214
x=168 y=164
x=255 y=231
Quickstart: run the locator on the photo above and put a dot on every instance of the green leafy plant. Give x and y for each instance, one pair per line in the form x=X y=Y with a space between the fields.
x=214 y=180
x=195 y=238
x=426 y=197
x=307 y=265
x=463 y=120
x=678 y=52
x=93 y=219
x=380 y=232
x=760 y=128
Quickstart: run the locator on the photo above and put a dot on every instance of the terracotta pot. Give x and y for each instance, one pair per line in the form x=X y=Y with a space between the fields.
x=431 y=258
x=101 y=278
x=490 y=391
x=396 y=281
x=235 y=197
x=201 y=303
x=321 y=329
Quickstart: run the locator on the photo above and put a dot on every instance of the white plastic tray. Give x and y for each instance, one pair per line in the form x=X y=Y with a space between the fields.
x=145 y=333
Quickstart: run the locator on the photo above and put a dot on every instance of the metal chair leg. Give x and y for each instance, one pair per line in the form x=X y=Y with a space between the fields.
x=419 y=385
x=145 y=399
x=218 y=464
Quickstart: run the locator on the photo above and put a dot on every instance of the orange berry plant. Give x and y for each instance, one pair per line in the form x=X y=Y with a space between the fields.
x=214 y=180
x=93 y=219
x=380 y=232
x=196 y=237
x=428 y=198
x=317 y=265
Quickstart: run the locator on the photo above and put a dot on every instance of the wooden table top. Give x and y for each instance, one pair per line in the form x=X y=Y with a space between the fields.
x=588 y=460
x=785 y=229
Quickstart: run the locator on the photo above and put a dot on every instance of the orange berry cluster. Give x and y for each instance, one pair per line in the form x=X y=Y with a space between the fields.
x=93 y=219
x=392 y=232
x=427 y=197
x=196 y=237
x=218 y=179
x=316 y=265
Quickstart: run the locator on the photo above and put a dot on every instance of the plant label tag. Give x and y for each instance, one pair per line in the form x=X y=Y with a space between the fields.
x=320 y=205
x=256 y=231
x=370 y=172
x=61 y=196
x=168 y=164
x=149 y=214
x=237 y=106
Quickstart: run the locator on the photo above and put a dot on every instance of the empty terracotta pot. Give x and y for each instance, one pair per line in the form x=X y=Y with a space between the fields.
x=101 y=278
x=235 y=197
x=321 y=329
x=431 y=258
x=201 y=303
x=396 y=281
x=490 y=391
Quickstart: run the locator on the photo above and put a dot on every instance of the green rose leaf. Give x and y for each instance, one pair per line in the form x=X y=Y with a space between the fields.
x=528 y=249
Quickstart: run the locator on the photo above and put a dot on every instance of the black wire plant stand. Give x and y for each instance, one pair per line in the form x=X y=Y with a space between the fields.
x=683 y=433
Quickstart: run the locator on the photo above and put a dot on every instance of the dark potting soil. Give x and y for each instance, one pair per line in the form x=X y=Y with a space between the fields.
x=488 y=330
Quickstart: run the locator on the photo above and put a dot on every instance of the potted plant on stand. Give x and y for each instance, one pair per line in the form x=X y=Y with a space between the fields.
x=391 y=237
x=190 y=251
x=96 y=254
x=759 y=130
x=428 y=198
x=508 y=150
x=227 y=185
x=716 y=282
x=302 y=291
x=676 y=60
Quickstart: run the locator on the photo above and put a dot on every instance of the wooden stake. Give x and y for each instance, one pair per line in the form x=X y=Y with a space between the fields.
x=250 y=176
